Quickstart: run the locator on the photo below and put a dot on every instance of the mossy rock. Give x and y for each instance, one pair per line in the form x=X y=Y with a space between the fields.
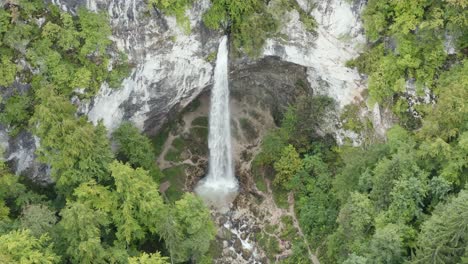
x=200 y=121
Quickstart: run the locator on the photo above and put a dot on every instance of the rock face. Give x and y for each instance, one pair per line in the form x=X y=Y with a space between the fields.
x=170 y=70
x=339 y=38
x=171 y=67
x=19 y=154
x=269 y=82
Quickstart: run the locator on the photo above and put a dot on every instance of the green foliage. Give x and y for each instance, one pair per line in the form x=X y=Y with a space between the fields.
x=76 y=150
x=316 y=205
x=16 y=111
x=176 y=177
x=409 y=43
x=22 y=247
x=71 y=52
x=287 y=166
x=38 y=218
x=251 y=22
x=270 y=244
x=140 y=207
x=386 y=245
x=107 y=211
x=95 y=31
x=8 y=71
x=351 y=118
x=443 y=237
x=136 y=149
x=153 y=258
x=81 y=229
x=449 y=117
x=194 y=229
x=174 y=8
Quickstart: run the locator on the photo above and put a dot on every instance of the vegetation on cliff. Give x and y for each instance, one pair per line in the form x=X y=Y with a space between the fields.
x=397 y=200
x=103 y=207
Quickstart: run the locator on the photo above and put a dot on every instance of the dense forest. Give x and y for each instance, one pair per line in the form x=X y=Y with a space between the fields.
x=402 y=199
x=105 y=207
x=398 y=200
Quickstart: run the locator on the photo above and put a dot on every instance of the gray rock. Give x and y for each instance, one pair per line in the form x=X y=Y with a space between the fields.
x=21 y=158
x=243 y=236
x=224 y=234
x=237 y=245
x=246 y=254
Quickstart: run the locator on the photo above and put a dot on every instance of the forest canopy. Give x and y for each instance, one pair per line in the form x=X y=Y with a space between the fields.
x=103 y=207
x=398 y=199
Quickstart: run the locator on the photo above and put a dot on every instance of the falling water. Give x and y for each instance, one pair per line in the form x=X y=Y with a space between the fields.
x=219 y=187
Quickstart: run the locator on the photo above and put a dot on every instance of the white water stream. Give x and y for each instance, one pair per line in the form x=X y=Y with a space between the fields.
x=219 y=187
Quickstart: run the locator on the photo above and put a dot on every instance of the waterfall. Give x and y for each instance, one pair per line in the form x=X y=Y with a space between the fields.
x=219 y=187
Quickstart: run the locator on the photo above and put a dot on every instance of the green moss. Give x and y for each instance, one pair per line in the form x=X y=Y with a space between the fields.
x=174 y=8
x=201 y=133
x=288 y=231
x=258 y=177
x=350 y=118
x=172 y=155
x=269 y=244
x=215 y=251
x=271 y=229
x=178 y=143
x=200 y=121
x=159 y=140
x=280 y=196
x=260 y=183
x=177 y=147
x=211 y=57
x=176 y=177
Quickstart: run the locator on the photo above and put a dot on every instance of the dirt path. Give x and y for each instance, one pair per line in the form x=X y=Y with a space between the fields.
x=312 y=256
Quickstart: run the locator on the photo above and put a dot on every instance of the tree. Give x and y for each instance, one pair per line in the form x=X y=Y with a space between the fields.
x=140 y=206
x=38 y=218
x=386 y=246
x=355 y=259
x=355 y=222
x=316 y=205
x=95 y=32
x=76 y=150
x=7 y=71
x=287 y=166
x=148 y=259
x=407 y=199
x=81 y=230
x=194 y=228
x=21 y=246
x=136 y=149
x=17 y=111
x=444 y=236
x=446 y=118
